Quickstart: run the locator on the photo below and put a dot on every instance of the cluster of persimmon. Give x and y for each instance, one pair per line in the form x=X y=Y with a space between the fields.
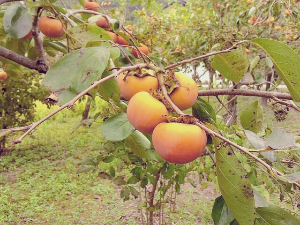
x=104 y=23
x=176 y=142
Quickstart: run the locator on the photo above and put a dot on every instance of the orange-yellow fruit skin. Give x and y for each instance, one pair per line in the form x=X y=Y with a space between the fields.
x=186 y=94
x=178 y=143
x=113 y=36
x=51 y=27
x=102 y=22
x=3 y=75
x=122 y=41
x=145 y=112
x=134 y=84
x=143 y=48
x=94 y=6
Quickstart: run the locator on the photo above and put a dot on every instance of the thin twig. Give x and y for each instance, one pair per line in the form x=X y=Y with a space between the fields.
x=211 y=156
x=71 y=102
x=5 y=1
x=204 y=56
x=224 y=106
x=291 y=105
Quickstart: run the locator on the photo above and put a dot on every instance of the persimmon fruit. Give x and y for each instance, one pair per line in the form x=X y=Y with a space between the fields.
x=122 y=41
x=103 y=22
x=134 y=84
x=51 y=27
x=143 y=48
x=27 y=36
x=91 y=5
x=186 y=94
x=145 y=112
x=3 y=75
x=178 y=142
x=113 y=36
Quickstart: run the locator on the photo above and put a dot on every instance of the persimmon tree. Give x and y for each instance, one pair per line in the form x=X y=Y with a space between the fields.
x=86 y=59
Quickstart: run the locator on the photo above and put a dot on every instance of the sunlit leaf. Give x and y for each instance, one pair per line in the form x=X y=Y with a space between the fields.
x=232 y=65
x=252 y=117
x=138 y=143
x=76 y=71
x=117 y=127
x=17 y=21
x=286 y=62
x=234 y=184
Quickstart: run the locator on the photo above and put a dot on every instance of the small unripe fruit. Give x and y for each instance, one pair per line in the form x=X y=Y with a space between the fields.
x=134 y=84
x=51 y=27
x=103 y=22
x=145 y=112
x=3 y=75
x=178 y=143
x=277 y=28
x=144 y=49
x=271 y=20
x=247 y=51
x=91 y=5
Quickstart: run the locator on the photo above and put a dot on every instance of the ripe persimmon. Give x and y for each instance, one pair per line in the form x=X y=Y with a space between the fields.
x=144 y=49
x=91 y=5
x=113 y=36
x=144 y=112
x=103 y=22
x=134 y=84
x=51 y=27
x=29 y=35
x=3 y=75
x=186 y=94
x=178 y=142
x=122 y=41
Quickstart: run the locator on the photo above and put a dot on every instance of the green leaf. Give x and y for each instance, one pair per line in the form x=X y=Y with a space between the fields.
x=132 y=180
x=119 y=180
x=76 y=72
x=234 y=184
x=17 y=21
x=56 y=45
x=138 y=143
x=293 y=177
x=134 y=192
x=88 y=161
x=221 y=213
x=125 y=193
x=114 y=51
x=84 y=33
x=286 y=62
x=279 y=139
x=109 y=90
x=112 y=171
x=274 y=215
x=232 y=65
x=203 y=111
x=252 y=117
x=254 y=63
x=260 y=201
x=259 y=143
x=84 y=169
x=117 y=127
x=109 y=159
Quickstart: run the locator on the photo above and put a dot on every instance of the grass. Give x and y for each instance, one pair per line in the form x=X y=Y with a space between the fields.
x=39 y=183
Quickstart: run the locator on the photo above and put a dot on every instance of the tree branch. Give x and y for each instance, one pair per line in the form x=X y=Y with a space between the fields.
x=205 y=56
x=5 y=1
x=71 y=102
x=22 y=60
x=266 y=94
